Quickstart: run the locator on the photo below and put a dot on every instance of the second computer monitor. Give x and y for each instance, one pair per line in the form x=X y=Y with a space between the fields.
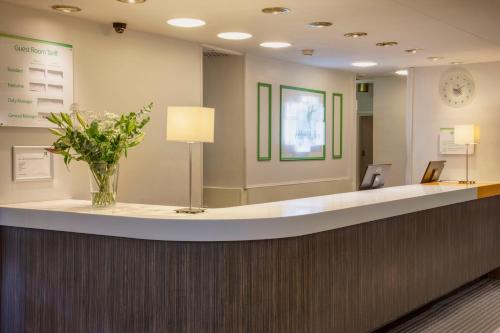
x=374 y=177
x=433 y=172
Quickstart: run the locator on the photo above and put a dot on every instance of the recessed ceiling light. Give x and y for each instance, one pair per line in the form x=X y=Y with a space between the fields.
x=275 y=45
x=320 y=24
x=308 y=52
x=412 y=51
x=355 y=34
x=364 y=64
x=434 y=58
x=234 y=35
x=387 y=44
x=66 y=9
x=402 y=72
x=276 y=10
x=132 y=1
x=186 y=22
x=456 y=62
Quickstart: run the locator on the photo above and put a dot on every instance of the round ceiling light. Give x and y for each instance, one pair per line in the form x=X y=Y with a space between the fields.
x=412 y=51
x=364 y=64
x=186 y=22
x=355 y=34
x=320 y=24
x=456 y=63
x=402 y=72
x=276 y=10
x=275 y=45
x=132 y=1
x=66 y=9
x=387 y=44
x=234 y=35
x=434 y=58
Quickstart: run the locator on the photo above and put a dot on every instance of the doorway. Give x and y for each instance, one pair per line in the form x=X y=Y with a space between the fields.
x=365 y=144
x=364 y=96
x=382 y=126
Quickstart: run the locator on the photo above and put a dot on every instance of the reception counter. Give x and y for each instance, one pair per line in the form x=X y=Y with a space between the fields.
x=348 y=262
x=274 y=220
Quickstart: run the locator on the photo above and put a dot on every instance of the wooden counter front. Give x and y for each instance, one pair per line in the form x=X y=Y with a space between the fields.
x=344 y=280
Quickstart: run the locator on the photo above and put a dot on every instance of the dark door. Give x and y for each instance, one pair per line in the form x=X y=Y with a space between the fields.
x=365 y=143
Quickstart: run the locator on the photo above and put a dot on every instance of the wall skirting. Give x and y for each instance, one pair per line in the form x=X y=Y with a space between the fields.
x=216 y=197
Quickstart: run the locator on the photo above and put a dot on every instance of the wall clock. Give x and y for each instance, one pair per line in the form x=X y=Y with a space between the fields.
x=457 y=88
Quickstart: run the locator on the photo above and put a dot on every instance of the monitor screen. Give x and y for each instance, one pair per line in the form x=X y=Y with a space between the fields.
x=433 y=172
x=374 y=177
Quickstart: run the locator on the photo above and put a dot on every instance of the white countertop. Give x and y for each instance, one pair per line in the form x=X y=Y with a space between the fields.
x=262 y=221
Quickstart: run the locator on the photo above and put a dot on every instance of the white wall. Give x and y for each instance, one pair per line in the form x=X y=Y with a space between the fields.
x=389 y=126
x=289 y=175
x=118 y=73
x=430 y=114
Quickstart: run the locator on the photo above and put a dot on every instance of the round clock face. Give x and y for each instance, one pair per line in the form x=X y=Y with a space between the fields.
x=456 y=88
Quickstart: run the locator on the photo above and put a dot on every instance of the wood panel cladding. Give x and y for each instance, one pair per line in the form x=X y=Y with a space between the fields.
x=353 y=279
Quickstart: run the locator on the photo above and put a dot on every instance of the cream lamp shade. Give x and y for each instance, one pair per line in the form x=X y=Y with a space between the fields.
x=467 y=134
x=190 y=124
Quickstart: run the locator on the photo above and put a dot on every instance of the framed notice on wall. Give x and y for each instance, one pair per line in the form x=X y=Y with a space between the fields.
x=447 y=145
x=36 y=78
x=32 y=163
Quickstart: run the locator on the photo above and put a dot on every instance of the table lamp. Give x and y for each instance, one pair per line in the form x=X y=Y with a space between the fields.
x=467 y=135
x=190 y=124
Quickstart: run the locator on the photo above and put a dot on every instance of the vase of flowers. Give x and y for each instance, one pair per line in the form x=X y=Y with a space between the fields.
x=100 y=140
x=103 y=183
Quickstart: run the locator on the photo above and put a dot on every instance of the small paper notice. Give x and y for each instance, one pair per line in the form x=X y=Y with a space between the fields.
x=31 y=164
x=447 y=145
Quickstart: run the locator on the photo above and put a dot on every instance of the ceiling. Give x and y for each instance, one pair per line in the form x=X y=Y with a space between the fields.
x=457 y=30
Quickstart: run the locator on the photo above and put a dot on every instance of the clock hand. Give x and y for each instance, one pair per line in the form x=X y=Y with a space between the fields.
x=458 y=90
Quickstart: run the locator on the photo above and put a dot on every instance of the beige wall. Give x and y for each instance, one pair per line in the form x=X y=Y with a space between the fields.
x=118 y=73
x=429 y=114
x=389 y=126
x=223 y=89
x=276 y=173
x=269 y=193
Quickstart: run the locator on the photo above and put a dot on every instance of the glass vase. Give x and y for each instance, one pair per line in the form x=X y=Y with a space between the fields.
x=103 y=183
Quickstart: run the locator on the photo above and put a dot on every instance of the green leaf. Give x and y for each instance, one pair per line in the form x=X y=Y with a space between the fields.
x=81 y=120
x=54 y=119
x=55 y=132
x=67 y=119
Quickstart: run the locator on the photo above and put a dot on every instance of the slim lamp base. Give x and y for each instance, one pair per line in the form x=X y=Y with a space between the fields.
x=467 y=182
x=190 y=210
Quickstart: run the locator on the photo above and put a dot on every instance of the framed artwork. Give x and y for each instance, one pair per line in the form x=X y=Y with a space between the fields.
x=264 y=121
x=337 y=125
x=302 y=124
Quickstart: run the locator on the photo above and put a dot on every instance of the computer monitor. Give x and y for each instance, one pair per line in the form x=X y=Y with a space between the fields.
x=374 y=177
x=433 y=172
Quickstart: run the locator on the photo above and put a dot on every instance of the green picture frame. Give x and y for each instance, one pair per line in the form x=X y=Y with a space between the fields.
x=339 y=155
x=306 y=90
x=269 y=87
